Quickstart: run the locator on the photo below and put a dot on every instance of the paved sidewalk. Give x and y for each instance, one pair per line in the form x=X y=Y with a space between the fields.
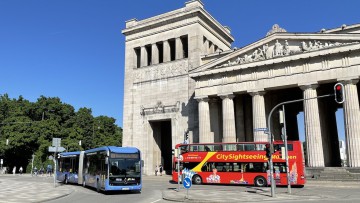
x=222 y=196
x=25 y=188
x=329 y=192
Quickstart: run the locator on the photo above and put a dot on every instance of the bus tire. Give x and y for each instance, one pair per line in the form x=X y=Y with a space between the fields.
x=197 y=180
x=66 y=180
x=97 y=186
x=260 y=181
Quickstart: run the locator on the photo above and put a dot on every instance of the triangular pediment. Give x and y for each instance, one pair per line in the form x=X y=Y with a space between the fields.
x=280 y=45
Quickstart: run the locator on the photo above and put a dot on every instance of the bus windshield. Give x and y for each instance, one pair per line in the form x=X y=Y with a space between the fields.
x=124 y=166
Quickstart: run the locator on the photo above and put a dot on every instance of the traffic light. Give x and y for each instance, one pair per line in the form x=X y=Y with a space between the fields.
x=267 y=151
x=186 y=137
x=339 y=93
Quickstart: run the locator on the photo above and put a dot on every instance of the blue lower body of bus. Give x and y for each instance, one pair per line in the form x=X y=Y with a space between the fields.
x=70 y=177
x=122 y=188
x=95 y=182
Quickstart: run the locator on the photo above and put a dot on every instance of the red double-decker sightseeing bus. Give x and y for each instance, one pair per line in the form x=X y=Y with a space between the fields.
x=243 y=163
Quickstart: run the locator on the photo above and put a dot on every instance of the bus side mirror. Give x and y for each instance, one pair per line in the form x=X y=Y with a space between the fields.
x=142 y=163
x=106 y=160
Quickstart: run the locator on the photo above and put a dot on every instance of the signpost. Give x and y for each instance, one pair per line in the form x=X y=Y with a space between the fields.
x=56 y=147
x=187 y=184
x=261 y=129
x=284 y=138
x=56 y=142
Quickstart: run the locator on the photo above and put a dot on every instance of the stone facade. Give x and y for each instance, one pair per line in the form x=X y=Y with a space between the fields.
x=182 y=75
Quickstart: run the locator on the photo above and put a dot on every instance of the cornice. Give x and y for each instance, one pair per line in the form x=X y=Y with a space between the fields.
x=175 y=16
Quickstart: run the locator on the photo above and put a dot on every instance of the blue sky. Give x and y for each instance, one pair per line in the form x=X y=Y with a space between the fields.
x=74 y=49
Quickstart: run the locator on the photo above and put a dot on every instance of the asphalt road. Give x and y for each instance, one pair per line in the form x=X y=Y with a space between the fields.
x=151 y=193
x=37 y=189
x=314 y=191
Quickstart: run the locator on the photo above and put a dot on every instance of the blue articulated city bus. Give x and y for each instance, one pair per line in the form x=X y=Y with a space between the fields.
x=112 y=168
x=70 y=167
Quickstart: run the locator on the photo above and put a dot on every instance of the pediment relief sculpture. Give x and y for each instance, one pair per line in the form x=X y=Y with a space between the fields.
x=159 y=108
x=279 y=49
x=160 y=71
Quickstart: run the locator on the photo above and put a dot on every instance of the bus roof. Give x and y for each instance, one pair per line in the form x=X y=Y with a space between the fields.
x=69 y=154
x=114 y=149
x=224 y=143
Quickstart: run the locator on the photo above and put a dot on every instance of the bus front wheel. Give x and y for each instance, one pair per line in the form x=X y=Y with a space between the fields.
x=260 y=181
x=197 y=180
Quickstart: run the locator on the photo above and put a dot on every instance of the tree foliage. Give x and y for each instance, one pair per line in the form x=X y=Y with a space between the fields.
x=30 y=127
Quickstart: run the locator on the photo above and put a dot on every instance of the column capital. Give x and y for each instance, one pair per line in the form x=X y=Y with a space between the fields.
x=308 y=86
x=254 y=93
x=224 y=96
x=349 y=81
x=200 y=99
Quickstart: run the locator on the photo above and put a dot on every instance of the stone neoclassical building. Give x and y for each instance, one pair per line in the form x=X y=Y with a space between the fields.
x=181 y=74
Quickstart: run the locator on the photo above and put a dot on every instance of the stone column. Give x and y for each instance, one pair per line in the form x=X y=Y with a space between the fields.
x=352 y=123
x=214 y=119
x=166 y=51
x=240 y=123
x=206 y=47
x=314 y=146
x=179 y=52
x=229 y=133
x=155 y=54
x=143 y=57
x=211 y=48
x=259 y=116
x=204 y=121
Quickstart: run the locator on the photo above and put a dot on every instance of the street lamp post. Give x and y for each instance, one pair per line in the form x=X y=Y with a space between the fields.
x=93 y=134
x=43 y=114
x=32 y=164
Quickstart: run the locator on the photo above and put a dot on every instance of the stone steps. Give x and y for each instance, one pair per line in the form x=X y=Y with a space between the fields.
x=333 y=174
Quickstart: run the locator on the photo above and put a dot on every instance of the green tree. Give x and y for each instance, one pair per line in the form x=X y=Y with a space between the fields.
x=30 y=127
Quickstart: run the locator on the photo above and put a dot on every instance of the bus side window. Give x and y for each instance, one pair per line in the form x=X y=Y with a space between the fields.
x=217 y=147
x=240 y=147
x=194 y=148
x=249 y=147
x=229 y=147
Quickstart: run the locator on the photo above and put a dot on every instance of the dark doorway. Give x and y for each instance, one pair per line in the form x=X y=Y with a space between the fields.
x=162 y=136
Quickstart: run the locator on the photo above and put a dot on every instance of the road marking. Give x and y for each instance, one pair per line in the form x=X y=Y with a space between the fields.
x=156 y=201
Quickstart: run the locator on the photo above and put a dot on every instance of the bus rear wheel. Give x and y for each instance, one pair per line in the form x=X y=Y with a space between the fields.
x=97 y=186
x=66 y=180
x=197 y=180
x=260 y=181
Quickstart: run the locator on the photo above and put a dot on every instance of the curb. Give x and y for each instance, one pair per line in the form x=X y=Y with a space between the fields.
x=58 y=197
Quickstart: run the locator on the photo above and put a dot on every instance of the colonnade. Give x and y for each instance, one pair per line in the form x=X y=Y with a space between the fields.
x=313 y=131
x=163 y=51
